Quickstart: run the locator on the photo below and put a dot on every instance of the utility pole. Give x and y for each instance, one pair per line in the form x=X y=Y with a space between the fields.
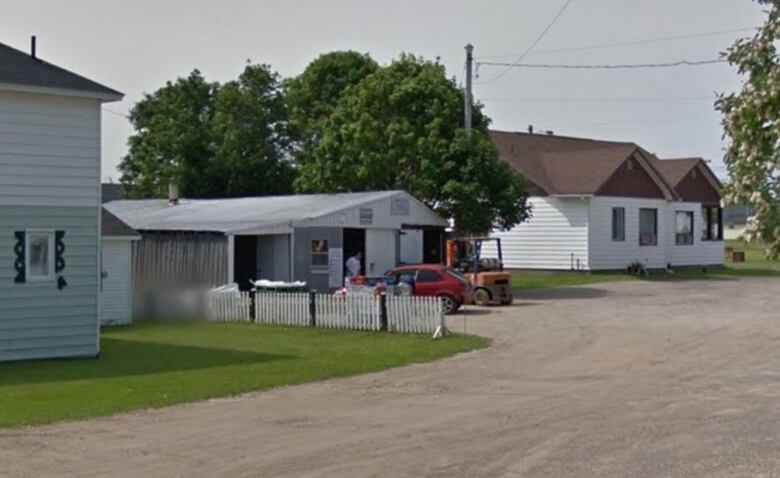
x=467 y=97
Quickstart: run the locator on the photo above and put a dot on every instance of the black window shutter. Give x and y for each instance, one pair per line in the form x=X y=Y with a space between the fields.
x=59 y=250
x=19 y=263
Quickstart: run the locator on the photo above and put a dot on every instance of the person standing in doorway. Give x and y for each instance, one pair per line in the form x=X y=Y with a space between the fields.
x=353 y=265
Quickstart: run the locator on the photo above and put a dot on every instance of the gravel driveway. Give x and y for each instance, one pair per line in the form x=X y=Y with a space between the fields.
x=615 y=380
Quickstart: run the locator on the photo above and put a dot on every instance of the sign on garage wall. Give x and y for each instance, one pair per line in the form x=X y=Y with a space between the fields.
x=336 y=268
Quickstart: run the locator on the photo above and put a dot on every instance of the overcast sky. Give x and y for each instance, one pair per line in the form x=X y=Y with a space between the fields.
x=135 y=46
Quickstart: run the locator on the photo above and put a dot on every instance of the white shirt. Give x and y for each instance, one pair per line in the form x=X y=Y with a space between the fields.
x=353 y=266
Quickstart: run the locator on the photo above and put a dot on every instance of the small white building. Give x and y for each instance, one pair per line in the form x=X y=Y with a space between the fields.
x=602 y=205
x=116 y=286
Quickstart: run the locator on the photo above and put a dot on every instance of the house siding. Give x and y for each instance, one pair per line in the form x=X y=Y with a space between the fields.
x=700 y=253
x=606 y=254
x=49 y=150
x=555 y=237
x=37 y=319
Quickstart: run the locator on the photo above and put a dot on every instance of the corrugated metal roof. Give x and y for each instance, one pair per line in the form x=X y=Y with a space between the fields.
x=241 y=214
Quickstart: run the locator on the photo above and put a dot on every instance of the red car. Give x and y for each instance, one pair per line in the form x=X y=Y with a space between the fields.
x=435 y=280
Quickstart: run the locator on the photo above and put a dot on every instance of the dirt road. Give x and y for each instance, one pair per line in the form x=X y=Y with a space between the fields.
x=616 y=380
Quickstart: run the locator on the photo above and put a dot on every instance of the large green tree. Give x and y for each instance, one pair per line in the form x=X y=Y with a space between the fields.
x=250 y=138
x=313 y=95
x=401 y=128
x=752 y=125
x=172 y=138
x=213 y=140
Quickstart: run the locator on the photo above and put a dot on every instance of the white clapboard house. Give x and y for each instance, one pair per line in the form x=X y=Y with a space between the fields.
x=603 y=205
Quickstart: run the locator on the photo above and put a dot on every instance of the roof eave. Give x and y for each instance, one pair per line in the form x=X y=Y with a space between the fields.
x=104 y=97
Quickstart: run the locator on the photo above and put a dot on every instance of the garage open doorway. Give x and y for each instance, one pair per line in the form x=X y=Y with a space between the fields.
x=354 y=242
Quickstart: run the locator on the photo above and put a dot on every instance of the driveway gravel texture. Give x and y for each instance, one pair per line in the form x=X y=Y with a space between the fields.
x=631 y=379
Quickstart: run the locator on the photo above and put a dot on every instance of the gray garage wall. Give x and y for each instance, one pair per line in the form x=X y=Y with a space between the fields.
x=302 y=254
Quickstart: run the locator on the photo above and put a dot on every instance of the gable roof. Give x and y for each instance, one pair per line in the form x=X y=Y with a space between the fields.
x=560 y=165
x=20 y=71
x=112 y=226
x=244 y=214
x=676 y=169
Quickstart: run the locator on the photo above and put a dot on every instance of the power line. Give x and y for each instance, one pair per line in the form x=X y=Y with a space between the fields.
x=116 y=113
x=600 y=100
x=533 y=44
x=644 y=41
x=603 y=67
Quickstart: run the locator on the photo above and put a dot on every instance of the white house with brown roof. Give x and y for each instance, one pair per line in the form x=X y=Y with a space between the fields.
x=603 y=205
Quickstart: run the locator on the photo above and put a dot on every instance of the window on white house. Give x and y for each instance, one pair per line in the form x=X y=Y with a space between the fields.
x=648 y=227
x=319 y=255
x=683 y=228
x=40 y=255
x=618 y=224
x=712 y=226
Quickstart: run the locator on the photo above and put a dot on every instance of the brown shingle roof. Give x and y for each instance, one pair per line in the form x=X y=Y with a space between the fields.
x=562 y=165
x=674 y=170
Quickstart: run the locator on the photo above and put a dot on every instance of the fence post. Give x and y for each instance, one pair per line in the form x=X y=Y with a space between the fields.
x=252 y=308
x=312 y=308
x=382 y=311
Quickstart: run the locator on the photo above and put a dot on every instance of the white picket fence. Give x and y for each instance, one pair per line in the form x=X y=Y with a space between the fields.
x=228 y=306
x=285 y=308
x=407 y=315
x=414 y=315
x=355 y=312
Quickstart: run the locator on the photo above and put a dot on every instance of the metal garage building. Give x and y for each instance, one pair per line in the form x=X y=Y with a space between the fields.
x=301 y=237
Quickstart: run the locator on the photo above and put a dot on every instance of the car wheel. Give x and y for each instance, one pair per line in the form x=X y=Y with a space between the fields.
x=481 y=297
x=507 y=301
x=450 y=304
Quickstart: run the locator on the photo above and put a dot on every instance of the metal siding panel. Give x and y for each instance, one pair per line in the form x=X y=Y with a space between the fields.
x=37 y=319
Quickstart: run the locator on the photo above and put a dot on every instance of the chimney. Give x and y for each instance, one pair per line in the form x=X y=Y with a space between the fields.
x=173 y=192
x=530 y=129
x=32 y=47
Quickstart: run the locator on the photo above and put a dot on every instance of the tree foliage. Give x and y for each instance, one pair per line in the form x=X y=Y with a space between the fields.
x=400 y=128
x=312 y=96
x=752 y=125
x=172 y=138
x=213 y=140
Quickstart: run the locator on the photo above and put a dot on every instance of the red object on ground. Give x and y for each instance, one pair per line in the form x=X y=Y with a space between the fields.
x=436 y=280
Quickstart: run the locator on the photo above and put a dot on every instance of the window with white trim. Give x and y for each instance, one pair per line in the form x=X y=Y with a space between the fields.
x=618 y=224
x=648 y=227
x=39 y=257
x=683 y=228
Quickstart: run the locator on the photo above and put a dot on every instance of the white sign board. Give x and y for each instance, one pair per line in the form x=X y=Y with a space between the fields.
x=336 y=267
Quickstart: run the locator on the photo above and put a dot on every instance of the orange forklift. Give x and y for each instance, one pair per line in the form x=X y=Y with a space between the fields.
x=490 y=283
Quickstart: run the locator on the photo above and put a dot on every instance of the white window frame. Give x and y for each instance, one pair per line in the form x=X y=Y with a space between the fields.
x=52 y=255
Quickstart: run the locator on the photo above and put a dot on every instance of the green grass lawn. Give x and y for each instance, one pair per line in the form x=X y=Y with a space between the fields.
x=756 y=264
x=154 y=365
